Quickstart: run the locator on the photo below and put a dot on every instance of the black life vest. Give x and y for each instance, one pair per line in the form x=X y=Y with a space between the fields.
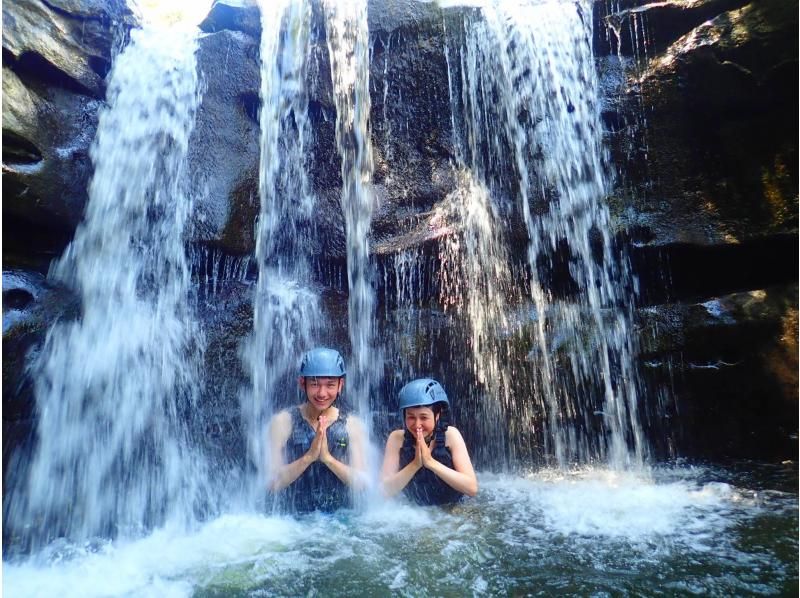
x=426 y=488
x=317 y=488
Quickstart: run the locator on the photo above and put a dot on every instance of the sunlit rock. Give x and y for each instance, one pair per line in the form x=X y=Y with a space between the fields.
x=47 y=131
x=70 y=40
x=234 y=15
x=705 y=130
x=55 y=58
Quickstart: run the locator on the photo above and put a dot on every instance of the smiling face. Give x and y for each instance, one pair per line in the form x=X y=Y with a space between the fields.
x=420 y=418
x=321 y=392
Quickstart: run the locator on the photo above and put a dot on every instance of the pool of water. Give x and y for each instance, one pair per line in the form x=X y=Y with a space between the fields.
x=679 y=530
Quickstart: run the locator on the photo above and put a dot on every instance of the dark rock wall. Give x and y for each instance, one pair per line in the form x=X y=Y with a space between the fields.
x=701 y=107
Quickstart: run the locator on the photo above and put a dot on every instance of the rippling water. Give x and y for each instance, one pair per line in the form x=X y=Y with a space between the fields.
x=680 y=531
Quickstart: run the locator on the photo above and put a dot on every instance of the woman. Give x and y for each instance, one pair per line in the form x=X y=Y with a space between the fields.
x=316 y=450
x=428 y=460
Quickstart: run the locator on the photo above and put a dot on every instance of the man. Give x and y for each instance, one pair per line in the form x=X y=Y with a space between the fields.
x=316 y=449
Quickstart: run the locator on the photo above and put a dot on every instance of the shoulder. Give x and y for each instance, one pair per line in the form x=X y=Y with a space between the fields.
x=282 y=419
x=453 y=436
x=395 y=439
x=280 y=427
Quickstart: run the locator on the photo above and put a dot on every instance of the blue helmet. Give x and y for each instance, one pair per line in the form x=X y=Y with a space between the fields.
x=422 y=392
x=322 y=363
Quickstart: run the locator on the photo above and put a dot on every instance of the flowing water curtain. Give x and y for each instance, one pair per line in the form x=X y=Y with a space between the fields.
x=116 y=390
x=529 y=126
x=287 y=314
x=348 y=47
x=476 y=283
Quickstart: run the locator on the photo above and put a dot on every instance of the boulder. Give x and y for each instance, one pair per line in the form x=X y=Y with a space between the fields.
x=656 y=24
x=46 y=167
x=55 y=57
x=726 y=369
x=704 y=132
x=69 y=42
x=411 y=125
x=224 y=150
x=234 y=15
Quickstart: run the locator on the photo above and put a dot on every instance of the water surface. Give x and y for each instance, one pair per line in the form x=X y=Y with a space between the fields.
x=681 y=530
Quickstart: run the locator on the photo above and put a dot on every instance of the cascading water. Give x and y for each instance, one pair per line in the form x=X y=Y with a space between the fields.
x=476 y=282
x=116 y=389
x=286 y=313
x=348 y=47
x=529 y=126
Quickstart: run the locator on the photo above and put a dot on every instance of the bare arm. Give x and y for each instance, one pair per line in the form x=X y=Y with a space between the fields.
x=352 y=474
x=281 y=474
x=394 y=479
x=462 y=476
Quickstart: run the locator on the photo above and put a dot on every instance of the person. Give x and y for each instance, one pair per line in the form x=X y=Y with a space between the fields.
x=428 y=460
x=316 y=448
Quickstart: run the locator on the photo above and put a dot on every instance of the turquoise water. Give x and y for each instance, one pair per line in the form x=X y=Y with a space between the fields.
x=681 y=530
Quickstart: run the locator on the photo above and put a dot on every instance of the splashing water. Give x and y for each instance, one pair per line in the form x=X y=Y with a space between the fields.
x=584 y=533
x=528 y=126
x=115 y=390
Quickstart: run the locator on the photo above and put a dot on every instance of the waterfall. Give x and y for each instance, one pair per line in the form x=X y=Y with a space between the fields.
x=476 y=283
x=116 y=389
x=286 y=315
x=524 y=95
x=348 y=46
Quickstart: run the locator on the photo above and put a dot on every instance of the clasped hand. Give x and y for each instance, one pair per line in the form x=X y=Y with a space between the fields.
x=423 y=455
x=318 y=451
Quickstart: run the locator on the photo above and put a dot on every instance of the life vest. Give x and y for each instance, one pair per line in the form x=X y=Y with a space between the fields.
x=317 y=488
x=426 y=488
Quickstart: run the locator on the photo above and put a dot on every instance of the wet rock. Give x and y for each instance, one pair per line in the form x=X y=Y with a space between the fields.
x=67 y=41
x=31 y=305
x=55 y=59
x=46 y=167
x=704 y=133
x=234 y=15
x=730 y=365
x=411 y=126
x=656 y=24
x=224 y=146
x=226 y=316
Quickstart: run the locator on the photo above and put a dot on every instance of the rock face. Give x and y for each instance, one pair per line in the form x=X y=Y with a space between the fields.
x=703 y=127
x=224 y=146
x=31 y=305
x=706 y=136
x=731 y=365
x=55 y=58
x=410 y=123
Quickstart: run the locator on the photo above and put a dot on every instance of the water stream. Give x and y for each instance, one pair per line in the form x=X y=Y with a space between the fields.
x=526 y=119
x=287 y=315
x=116 y=389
